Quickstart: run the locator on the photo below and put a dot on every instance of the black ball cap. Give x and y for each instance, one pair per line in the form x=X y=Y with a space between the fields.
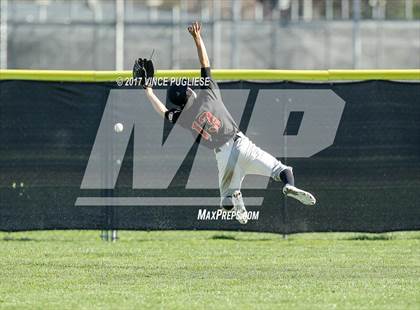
x=177 y=94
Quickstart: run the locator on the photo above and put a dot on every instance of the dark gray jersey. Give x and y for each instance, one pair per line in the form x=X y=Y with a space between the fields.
x=207 y=117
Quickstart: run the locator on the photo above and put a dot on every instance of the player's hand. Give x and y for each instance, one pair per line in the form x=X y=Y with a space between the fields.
x=194 y=29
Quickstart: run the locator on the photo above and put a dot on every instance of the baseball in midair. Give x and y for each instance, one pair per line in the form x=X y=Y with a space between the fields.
x=118 y=127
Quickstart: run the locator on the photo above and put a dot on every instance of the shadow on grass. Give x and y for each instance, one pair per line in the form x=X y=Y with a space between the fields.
x=370 y=237
x=222 y=237
x=228 y=237
x=26 y=239
x=19 y=239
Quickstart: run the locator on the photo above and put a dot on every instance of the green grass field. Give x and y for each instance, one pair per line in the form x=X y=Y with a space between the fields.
x=209 y=270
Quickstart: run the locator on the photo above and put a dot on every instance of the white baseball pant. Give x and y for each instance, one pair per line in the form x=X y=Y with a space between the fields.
x=235 y=160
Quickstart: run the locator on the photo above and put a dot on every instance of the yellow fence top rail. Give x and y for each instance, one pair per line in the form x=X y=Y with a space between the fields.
x=240 y=74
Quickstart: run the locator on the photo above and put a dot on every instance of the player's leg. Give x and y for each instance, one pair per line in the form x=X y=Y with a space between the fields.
x=230 y=180
x=233 y=201
x=260 y=162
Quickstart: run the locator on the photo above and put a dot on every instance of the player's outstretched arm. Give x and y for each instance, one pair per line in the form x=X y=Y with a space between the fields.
x=156 y=103
x=195 y=30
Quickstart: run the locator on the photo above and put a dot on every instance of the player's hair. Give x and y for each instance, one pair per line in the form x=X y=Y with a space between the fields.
x=177 y=94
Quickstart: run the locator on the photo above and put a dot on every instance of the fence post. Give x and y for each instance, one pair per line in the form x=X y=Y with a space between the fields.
x=357 y=47
x=3 y=34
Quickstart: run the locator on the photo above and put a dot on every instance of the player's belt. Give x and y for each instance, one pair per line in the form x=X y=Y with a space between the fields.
x=235 y=138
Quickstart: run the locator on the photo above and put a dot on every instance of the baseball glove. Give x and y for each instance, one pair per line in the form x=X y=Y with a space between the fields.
x=144 y=71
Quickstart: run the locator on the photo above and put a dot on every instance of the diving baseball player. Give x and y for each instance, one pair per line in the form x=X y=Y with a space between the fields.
x=206 y=117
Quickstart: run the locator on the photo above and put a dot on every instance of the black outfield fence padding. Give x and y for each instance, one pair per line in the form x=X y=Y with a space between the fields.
x=367 y=180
